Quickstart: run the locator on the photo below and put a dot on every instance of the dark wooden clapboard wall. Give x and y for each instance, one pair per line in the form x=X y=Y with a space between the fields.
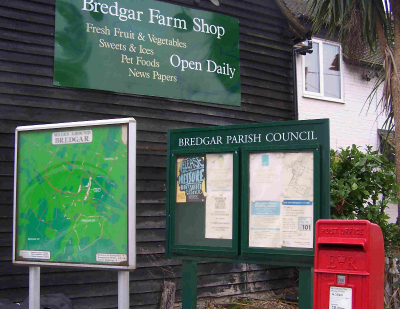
x=27 y=97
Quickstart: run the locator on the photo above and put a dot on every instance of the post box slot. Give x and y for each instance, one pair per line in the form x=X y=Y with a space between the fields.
x=342 y=246
x=342 y=242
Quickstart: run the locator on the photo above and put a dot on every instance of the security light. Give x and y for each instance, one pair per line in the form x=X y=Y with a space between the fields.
x=216 y=2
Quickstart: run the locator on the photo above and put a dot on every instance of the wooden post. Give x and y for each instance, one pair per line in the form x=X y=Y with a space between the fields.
x=189 y=284
x=168 y=295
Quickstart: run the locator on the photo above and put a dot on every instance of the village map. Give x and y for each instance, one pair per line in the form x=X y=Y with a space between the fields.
x=71 y=202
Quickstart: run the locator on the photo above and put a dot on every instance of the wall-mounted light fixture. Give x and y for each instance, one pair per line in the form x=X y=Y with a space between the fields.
x=370 y=75
x=216 y=2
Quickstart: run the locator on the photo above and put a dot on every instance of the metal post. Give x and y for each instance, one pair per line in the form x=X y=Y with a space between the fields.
x=189 y=284
x=306 y=279
x=34 y=287
x=123 y=289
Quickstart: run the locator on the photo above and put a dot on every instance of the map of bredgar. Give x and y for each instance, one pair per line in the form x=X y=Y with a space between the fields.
x=72 y=195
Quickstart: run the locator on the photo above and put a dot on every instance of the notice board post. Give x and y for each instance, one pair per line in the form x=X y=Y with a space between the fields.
x=247 y=194
x=189 y=284
x=75 y=199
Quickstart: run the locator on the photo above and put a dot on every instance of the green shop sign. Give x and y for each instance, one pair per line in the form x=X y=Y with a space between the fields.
x=147 y=48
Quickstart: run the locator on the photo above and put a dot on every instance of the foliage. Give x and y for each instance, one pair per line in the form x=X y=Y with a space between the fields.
x=356 y=19
x=362 y=185
x=363 y=25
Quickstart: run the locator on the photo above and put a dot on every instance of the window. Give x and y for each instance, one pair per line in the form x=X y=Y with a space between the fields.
x=322 y=73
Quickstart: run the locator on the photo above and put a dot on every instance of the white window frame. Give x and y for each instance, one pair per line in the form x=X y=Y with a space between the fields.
x=320 y=95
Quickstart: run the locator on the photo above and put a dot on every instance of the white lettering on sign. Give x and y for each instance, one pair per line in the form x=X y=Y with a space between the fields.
x=197 y=141
x=166 y=20
x=201 y=26
x=123 y=13
x=247 y=138
x=243 y=139
x=154 y=17
x=212 y=66
x=176 y=61
x=290 y=136
x=72 y=137
x=223 y=69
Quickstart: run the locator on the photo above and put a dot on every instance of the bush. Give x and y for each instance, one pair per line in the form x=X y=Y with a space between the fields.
x=362 y=185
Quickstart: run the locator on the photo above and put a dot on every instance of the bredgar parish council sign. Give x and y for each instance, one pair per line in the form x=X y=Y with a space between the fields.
x=148 y=48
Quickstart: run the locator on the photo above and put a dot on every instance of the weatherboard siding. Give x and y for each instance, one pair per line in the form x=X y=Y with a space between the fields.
x=28 y=97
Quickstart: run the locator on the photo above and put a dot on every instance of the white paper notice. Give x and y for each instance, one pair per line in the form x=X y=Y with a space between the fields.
x=32 y=254
x=111 y=258
x=297 y=223
x=265 y=191
x=340 y=298
x=266 y=176
x=281 y=199
x=219 y=199
x=265 y=224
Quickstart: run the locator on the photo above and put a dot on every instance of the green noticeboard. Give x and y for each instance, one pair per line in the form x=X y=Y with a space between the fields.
x=75 y=194
x=148 y=48
x=248 y=193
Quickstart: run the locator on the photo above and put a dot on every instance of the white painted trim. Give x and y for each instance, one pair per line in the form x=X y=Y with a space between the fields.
x=310 y=96
x=75 y=124
x=14 y=247
x=76 y=265
x=132 y=194
x=320 y=95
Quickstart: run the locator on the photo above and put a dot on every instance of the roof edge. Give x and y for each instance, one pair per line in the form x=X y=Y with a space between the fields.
x=295 y=25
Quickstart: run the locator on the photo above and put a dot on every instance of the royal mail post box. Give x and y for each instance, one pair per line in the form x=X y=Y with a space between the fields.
x=349 y=265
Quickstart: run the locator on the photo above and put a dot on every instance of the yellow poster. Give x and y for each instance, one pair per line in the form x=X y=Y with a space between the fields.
x=190 y=186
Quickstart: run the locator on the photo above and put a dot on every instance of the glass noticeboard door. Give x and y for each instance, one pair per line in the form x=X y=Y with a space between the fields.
x=204 y=216
x=279 y=199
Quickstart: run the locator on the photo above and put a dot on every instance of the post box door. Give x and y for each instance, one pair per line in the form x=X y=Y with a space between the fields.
x=336 y=291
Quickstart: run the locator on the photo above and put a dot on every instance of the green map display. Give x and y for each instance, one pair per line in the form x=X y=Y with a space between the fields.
x=71 y=200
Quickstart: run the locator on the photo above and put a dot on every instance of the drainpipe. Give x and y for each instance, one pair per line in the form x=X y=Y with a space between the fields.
x=302 y=51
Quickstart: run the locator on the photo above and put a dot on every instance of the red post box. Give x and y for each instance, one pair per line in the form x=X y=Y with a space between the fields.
x=349 y=265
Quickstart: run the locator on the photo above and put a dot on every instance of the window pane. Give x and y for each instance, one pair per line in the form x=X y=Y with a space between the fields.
x=312 y=70
x=331 y=59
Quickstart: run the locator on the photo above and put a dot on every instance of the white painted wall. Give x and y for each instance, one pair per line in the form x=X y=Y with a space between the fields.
x=350 y=122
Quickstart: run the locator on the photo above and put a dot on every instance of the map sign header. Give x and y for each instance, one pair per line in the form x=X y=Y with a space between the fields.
x=148 y=48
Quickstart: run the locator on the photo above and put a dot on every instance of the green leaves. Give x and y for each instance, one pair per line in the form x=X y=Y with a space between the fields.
x=336 y=16
x=362 y=185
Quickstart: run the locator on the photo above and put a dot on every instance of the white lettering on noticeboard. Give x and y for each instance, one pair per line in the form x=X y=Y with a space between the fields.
x=252 y=138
